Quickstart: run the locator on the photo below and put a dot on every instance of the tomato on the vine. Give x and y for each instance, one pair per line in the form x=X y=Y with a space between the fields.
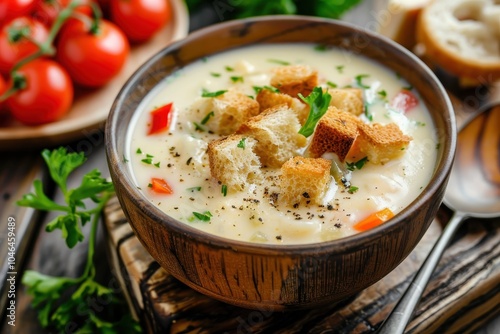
x=10 y=9
x=46 y=11
x=45 y=94
x=92 y=58
x=16 y=41
x=140 y=19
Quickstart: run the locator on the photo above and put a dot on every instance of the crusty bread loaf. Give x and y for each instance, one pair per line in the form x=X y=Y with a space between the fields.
x=294 y=79
x=347 y=99
x=268 y=99
x=398 y=20
x=381 y=143
x=234 y=164
x=462 y=37
x=304 y=180
x=276 y=131
x=335 y=132
x=230 y=110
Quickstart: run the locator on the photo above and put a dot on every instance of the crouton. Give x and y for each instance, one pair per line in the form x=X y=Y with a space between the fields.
x=233 y=161
x=230 y=110
x=381 y=143
x=335 y=132
x=276 y=131
x=268 y=99
x=304 y=180
x=295 y=79
x=347 y=99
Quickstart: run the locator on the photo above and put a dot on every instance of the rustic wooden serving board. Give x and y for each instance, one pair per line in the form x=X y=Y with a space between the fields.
x=463 y=295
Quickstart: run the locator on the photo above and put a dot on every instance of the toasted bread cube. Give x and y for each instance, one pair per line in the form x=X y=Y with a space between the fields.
x=335 y=132
x=295 y=79
x=276 y=131
x=347 y=99
x=304 y=180
x=268 y=99
x=230 y=110
x=381 y=143
x=233 y=161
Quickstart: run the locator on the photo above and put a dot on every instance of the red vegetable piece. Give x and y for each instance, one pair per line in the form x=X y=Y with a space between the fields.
x=160 y=119
x=404 y=101
x=160 y=186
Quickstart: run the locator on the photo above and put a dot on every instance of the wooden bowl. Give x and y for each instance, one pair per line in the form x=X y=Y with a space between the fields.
x=279 y=277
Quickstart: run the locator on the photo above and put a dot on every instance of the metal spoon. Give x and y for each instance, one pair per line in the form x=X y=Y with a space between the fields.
x=473 y=191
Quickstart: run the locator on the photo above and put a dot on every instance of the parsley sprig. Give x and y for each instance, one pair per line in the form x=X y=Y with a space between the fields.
x=318 y=101
x=63 y=300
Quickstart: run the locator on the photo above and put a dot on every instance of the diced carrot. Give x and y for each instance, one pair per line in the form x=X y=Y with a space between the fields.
x=374 y=219
x=160 y=119
x=160 y=186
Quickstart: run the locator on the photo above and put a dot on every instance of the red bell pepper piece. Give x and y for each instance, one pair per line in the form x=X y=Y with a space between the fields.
x=160 y=119
x=160 y=186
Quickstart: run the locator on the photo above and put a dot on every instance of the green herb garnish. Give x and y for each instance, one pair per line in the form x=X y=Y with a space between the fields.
x=241 y=144
x=318 y=102
x=237 y=79
x=321 y=47
x=148 y=161
x=139 y=151
x=206 y=93
x=340 y=68
x=368 y=114
x=60 y=301
x=357 y=165
x=223 y=190
x=331 y=84
x=193 y=189
x=198 y=127
x=359 y=80
x=205 y=216
x=382 y=94
x=257 y=89
x=278 y=61
x=207 y=117
x=215 y=75
x=352 y=189
x=229 y=68
x=157 y=164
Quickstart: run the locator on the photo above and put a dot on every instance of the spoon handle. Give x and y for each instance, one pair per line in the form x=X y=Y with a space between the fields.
x=401 y=314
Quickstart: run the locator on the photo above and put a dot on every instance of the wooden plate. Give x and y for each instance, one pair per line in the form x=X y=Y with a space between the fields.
x=90 y=107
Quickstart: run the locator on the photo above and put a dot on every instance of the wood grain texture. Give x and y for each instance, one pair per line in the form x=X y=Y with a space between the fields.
x=463 y=294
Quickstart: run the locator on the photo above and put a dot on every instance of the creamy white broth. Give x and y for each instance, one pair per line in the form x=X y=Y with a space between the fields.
x=249 y=215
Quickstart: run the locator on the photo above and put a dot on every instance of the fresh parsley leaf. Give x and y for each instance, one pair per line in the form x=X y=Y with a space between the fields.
x=359 y=80
x=318 y=102
x=223 y=190
x=205 y=216
x=340 y=68
x=215 y=75
x=207 y=117
x=61 y=164
x=206 y=93
x=198 y=127
x=257 y=89
x=331 y=84
x=382 y=93
x=352 y=189
x=139 y=151
x=368 y=114
x=229 y=68
x=357 y=165
x=147 y=161
x=236 y=79
x=241 y=144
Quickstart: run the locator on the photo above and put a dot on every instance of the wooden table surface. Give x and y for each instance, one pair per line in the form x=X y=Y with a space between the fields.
x=47 y=253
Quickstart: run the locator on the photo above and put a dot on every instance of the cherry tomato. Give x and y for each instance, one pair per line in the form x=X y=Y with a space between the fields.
x=404 y=101
x=3 y=88
x=92 y=59
x=47 y=94
x=13 y=46
x=46 y=11
x=140 y=19
x=10 y=9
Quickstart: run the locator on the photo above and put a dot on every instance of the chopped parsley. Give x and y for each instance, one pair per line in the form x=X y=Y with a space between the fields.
x=157 y=164
x=241 y=144
x=359 y=80
x=321 y=47
x=214 y=74
x=229 y=68
x=368 y=114
x=237 y=79
x=278 y=61
x=318 y=102
x=148 y=161
x=205 y=216
x=357 y=165
x=198 y=127
x=223 y=190
x=206 y=93
x=207 y=117
x=382 y=93
x=193 y=189
x=352 y=189
x=139 y=151
x=340 y=68
x=257 y=89
x=331 y=84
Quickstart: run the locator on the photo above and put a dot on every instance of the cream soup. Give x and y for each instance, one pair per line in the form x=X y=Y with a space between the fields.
x=179 y=155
